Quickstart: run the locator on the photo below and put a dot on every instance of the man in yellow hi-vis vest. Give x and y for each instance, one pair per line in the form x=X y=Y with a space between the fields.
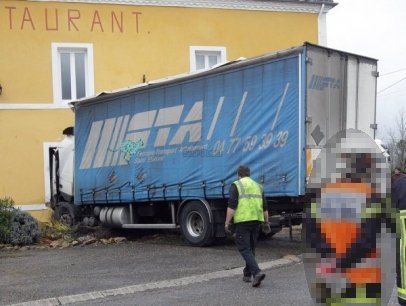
x=248 y=208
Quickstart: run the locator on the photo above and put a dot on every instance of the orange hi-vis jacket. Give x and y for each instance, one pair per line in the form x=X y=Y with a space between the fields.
x=340 y=216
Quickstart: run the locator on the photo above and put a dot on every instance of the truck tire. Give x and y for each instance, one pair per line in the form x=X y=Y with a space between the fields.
x=195 y=224
x=64 y=213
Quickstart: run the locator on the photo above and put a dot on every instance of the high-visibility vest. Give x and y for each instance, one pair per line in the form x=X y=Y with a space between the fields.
x=340 y=218
x=340 y=211
x=250 y=201
x=401 y=257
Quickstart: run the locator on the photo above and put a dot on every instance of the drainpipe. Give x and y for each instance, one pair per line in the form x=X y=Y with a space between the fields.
x=322 y=26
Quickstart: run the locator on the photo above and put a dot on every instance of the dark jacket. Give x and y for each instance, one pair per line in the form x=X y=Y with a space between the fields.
x=399 y=191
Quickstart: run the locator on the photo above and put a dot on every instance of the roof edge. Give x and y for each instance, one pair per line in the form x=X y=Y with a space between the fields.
x=303 y=6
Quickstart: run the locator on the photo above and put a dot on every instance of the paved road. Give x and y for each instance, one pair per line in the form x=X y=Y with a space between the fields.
x=157 y=270
x=39 y=274
x=275 y=290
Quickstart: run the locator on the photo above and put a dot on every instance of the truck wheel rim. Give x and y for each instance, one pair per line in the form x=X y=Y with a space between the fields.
x=195 y=224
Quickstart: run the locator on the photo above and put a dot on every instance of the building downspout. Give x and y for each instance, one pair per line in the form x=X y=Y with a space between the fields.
x=322 y=27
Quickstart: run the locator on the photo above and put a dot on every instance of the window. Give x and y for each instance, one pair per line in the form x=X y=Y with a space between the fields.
x=202 y=57
x=72 y=69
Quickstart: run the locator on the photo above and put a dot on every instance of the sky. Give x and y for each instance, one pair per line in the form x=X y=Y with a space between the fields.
x=377 y=29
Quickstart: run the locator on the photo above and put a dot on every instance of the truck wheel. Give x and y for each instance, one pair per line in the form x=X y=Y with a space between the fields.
x=64 y=213
x=195 y=224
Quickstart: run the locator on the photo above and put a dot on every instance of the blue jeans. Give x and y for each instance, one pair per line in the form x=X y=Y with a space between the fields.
x=246 y=234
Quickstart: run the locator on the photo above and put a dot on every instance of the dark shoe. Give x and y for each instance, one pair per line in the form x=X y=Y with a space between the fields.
x=258 y=279
x=246 y=278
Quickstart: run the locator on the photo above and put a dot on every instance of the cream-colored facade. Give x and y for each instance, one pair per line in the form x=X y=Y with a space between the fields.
x=56 y=51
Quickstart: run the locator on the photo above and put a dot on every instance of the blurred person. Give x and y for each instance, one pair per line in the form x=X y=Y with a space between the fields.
x=347 y=205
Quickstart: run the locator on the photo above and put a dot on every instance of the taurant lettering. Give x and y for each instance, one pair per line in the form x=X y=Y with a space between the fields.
x=72 y=20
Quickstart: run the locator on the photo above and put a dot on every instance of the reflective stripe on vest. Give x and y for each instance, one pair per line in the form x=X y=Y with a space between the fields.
x=250 y=205
x=359 y=299
x=402 y=293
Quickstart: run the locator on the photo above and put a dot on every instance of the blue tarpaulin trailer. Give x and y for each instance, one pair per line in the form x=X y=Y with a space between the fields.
x=153 y=151
x=187 y=138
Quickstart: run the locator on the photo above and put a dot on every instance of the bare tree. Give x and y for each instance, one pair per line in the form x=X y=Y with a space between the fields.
x=397 y=142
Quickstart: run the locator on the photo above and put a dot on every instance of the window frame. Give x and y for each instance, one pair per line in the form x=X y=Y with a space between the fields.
x=193 y=50
x=57 y=49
